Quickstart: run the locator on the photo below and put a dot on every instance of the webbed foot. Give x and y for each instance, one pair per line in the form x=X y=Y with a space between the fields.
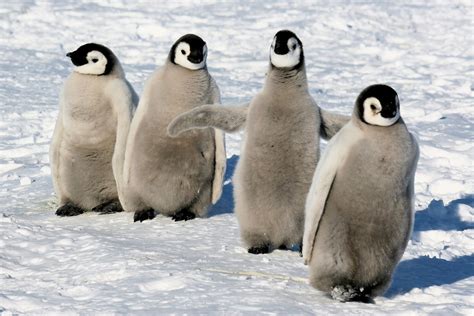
x=183 y=215
x=69 y=209
x=108 y=208
x=143 y=215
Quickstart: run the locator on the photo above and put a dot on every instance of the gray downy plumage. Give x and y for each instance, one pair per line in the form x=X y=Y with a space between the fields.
x=182 y=176
x=279 y=151
x=359 y=211
x=86 y=152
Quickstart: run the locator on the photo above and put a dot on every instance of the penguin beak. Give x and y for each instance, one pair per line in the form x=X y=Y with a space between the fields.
x=281 y=48
x=69 y=54
x=195 y=57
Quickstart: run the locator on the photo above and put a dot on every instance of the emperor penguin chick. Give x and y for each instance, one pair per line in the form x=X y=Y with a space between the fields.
x=86 y=153
x=279 y=151
x=178 y=177
x=359 y=210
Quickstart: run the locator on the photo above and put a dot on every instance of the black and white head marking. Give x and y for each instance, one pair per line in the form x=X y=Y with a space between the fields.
x=378 y=105
x=286 y=50
x=190 y=52
x=92 y=59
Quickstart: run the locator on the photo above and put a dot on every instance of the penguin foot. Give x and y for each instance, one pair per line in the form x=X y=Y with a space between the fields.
x=259 y=250
x=347 y=293
x=183 y=215
x=282 y=247
x=143 y=215
x=108 y=208
x=69 y=209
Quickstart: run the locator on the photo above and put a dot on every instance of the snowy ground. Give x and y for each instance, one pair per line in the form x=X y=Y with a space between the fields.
x=97 y=264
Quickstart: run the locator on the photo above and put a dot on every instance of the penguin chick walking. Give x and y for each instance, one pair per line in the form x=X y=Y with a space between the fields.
x=279 y=151
x=178 y=177
x=86 y=153
x=359 y=211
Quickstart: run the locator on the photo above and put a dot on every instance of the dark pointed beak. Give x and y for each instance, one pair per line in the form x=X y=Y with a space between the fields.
x=281 y=48
x=196 y=57
x=69 y=54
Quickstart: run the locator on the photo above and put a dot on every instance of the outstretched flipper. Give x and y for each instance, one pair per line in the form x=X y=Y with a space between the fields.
x=325 y=173
x=331 y=123
x=230 y=119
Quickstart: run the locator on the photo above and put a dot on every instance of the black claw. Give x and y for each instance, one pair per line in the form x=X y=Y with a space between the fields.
x=259 y=250
x=108 y=208
x=69 y=209
x=143 y=215
x=183 y=215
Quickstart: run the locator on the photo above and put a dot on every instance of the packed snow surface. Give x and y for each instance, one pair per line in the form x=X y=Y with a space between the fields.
x=96 y=264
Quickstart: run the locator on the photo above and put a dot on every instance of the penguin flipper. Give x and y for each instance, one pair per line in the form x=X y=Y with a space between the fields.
x=124 y=102
x=331 y=123
x=230 y=119
x=337 y=150
x=220 y=160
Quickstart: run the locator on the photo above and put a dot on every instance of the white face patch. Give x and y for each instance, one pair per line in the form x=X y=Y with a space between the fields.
x=372 y=115
x=290 y=59
x=181 y=54
x=96 y=63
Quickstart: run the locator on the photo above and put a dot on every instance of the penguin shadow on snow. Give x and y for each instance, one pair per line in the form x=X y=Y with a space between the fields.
x=437 y=216
x=225 y=205
x=423 y=272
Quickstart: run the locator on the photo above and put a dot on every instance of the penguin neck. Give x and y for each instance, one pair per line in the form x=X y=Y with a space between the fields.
x=117 y=71
x=279 y=78
x=186 y=75
x=192 y=85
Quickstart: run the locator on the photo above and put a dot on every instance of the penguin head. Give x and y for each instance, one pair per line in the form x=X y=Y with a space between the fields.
x=92 y=59
x=286 y=50
x=378 y=105
x=190 y=52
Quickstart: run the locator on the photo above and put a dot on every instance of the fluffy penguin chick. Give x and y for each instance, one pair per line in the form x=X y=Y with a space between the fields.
x=86 y=153
x=359 y=211
x=178 y=177
x=280 y=148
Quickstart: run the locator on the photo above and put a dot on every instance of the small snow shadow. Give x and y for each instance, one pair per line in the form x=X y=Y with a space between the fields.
x=437 y=216
x=225 y=204
x=424 y=272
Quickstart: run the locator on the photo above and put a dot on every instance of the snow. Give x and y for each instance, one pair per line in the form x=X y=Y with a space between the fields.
x=108 y=264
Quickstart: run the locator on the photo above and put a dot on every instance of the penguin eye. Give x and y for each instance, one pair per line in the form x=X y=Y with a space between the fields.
x=373 y=107
x=294 y=46
x=94 y=60
x=183 y=52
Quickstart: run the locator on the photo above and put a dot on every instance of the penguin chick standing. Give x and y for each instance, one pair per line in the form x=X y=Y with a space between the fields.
x=279 y=151
x=359 y=211
x=86 y=153
x=178 y=177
